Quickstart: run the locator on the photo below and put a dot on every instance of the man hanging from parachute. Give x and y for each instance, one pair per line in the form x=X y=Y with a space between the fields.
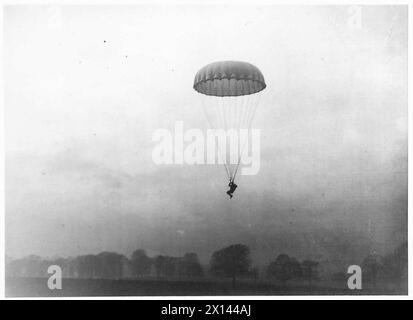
x=232 y=186
x=230 y=96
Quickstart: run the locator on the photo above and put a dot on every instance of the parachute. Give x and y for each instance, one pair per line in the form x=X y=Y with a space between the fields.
x=230 y=92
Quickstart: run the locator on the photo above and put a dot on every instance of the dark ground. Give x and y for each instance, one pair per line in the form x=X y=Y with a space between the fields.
x=37 y=287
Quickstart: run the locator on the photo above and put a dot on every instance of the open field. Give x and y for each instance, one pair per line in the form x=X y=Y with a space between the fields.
x=37 y=287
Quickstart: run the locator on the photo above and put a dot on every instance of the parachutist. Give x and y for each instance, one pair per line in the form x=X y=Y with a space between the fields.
x=233 y=87
x=232 y=186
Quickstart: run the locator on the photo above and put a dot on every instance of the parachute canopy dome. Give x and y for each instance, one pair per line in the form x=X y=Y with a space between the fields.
x=229 y=78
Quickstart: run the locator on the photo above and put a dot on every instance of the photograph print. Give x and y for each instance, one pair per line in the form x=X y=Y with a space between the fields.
x=205 y=150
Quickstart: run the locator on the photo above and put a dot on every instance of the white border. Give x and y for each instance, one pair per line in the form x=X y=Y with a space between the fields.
x=202 y=2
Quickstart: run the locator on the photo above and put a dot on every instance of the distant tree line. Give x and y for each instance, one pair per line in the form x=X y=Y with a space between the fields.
x=392 y=267
x=285 y=268
x=109 y=265
x=232 y=262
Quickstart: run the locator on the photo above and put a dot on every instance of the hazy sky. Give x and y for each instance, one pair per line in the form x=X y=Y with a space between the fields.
x=86 y=87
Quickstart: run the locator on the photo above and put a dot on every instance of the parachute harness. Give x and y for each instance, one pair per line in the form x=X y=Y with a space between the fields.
x=228 y=113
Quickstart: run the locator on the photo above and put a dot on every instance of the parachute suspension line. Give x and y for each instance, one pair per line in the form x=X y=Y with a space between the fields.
x=241 y=101
x=240 y=106
x=250 y=109
x=205 y=107
x=255 y=105
x=211 y=80
x=243 y=112
x=243 y=119
x=222 y=124
x=231 y=106
x=256 y=102
x=224 y=120
x=228 y=103
x=235 y=113
x=224 y=112
x=246 y=113
x=238 y=111
x=235 y=105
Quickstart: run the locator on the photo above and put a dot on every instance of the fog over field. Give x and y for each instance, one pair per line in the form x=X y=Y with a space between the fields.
x=86 y=88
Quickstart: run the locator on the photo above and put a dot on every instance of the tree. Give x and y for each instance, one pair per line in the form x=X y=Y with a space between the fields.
x=295 y=266
x=109 y=265
x=141 y=263
x=395 y=264
x=159 y=264
x=87 y=266
x=309 y=270
x=281 y=268
x=170 y=266
x=371 y=267
x=192 y=266
x=232 y=261
x=30 y=266
x=254 y=273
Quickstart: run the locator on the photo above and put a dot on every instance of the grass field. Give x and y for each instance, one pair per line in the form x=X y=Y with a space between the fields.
x=37 y=287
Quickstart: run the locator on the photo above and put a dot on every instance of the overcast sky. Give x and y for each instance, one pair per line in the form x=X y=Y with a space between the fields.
x=86 y=87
